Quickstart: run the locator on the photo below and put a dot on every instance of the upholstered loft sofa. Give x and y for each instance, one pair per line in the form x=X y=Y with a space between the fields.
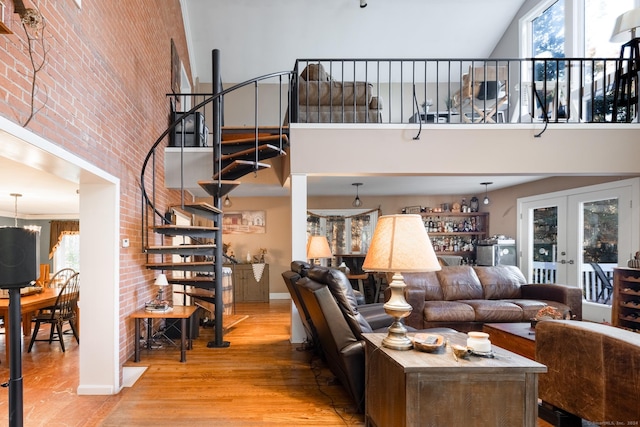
x=466 y=297
x=593 y=371
x=324 y=100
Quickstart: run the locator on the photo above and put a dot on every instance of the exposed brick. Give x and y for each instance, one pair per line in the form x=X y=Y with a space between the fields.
x=106 y=75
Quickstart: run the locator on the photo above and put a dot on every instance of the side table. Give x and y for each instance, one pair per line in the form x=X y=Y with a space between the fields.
x=411 y=388
x=179 y=312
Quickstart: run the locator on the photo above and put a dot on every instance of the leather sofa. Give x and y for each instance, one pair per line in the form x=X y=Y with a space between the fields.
x=593 y=370
x=466 y=297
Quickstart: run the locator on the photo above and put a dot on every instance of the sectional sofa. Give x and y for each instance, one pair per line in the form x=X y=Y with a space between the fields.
x=466 y=297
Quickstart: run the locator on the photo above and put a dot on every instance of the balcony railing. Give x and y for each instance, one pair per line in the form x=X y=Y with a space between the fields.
x=441 y=91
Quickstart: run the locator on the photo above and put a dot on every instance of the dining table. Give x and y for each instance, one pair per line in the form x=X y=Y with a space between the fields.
x=29 y=304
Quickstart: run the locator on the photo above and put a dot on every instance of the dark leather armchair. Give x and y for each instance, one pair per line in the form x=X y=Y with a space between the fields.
x=340 y=322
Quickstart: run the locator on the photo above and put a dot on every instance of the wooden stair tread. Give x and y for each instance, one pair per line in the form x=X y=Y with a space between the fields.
x=205 y=246
x=183 y=227
x=186 y=266
x=240 y=168
x=262 y=139
x=200 y=208
x=265 y=151
x=183 y=250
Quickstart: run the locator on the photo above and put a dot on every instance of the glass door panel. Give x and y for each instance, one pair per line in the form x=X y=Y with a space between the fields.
x=543 y=233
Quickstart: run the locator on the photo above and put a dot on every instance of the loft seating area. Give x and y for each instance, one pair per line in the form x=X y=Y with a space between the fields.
x=441 y=91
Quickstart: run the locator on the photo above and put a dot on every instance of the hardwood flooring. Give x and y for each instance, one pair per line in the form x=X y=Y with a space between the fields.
x=260 y=380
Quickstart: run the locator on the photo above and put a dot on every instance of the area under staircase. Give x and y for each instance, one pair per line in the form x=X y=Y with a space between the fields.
x=233 y=152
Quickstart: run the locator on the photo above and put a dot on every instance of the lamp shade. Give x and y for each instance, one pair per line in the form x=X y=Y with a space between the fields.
x=400 y=244
x=318 y=247
x=624 y=28
x=161 y=280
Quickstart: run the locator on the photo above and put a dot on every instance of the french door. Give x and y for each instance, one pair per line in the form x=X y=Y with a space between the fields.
x=561 y=234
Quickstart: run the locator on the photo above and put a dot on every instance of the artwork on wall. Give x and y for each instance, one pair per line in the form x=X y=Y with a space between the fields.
x=244 y=222
x=175 y=69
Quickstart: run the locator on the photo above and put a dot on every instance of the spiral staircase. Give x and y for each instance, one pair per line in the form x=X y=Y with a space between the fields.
x=235 y=152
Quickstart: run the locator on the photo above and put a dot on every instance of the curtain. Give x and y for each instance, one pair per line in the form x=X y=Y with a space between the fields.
x=59 y=229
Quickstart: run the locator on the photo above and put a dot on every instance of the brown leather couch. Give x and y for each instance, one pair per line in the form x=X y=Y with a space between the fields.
x=593 y=370
x=466 y=297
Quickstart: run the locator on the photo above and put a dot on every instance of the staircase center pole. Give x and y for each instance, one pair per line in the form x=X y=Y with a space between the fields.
x=217 y=202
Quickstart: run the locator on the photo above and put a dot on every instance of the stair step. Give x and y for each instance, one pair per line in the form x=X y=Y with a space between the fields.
x=185 y=230
x=184 y=250
x=212 y=188
x=201 y=282
x=233 y=145
x=205 y=210
x=207 y=295
x=265 y=152
x=240 y=168
x=202 y=266
x=231 y=132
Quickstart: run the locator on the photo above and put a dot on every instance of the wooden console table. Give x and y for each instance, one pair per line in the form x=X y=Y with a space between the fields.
x=411 y=388
x=182 y=312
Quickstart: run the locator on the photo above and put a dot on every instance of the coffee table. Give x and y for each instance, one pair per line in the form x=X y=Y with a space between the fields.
x=519 y=338
x=412 y=388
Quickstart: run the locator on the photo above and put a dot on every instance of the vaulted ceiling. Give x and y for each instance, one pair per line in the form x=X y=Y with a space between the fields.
x=261 y=37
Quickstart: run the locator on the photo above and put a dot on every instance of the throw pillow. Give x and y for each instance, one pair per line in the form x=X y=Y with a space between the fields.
x=315 y=72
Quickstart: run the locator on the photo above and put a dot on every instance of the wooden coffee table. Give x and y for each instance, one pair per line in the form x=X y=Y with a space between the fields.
x=411 y=388
x=519 y=338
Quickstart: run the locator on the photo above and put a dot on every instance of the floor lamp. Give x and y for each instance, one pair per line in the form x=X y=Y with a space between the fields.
x=400 y=244
x=19 y=266
x=626 y=83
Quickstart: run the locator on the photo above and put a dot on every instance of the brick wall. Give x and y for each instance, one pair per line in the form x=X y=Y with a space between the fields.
x=102 y=93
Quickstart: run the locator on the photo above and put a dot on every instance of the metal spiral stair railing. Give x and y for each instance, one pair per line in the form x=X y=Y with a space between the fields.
x=232 y=159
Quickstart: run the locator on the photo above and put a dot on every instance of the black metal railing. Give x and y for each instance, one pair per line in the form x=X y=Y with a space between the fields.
x=556 y=90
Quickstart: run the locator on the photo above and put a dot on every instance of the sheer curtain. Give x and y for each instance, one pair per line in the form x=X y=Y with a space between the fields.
x=58 y=230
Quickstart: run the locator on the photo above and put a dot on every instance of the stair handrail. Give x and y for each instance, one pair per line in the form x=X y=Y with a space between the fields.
x=145 y=195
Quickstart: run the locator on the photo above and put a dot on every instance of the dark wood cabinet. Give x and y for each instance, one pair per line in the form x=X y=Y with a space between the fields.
x=246 y=286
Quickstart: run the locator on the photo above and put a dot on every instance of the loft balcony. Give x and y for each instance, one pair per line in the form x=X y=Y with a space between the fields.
x=468 y=91
x=401 y=96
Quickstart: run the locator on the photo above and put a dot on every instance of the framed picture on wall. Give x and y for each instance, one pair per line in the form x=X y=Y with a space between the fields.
x=244 y=222
x=175 y=69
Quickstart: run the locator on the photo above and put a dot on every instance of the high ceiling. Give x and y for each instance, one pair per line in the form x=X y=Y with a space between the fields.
x=260 y=37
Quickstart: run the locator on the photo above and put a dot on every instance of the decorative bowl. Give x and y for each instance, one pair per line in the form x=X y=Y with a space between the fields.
x=428 y=342
x=459 y=351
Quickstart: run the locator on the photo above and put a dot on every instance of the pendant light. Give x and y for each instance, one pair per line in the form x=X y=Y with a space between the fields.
x=16 y=195
x=227 y=202
x=357 y=202
x=486 y=200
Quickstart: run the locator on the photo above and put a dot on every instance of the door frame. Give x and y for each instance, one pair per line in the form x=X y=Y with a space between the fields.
x=629 y=219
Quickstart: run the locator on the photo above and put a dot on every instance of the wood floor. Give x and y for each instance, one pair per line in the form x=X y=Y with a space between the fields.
x=260 y=380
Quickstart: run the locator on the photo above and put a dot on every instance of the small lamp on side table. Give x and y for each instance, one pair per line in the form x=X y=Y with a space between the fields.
x=400 y=244
x=160 y=304
x=318 y=247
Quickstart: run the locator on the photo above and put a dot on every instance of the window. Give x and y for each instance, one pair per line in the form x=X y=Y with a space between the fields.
x=348 y=231
x=547 y=41
x=599 y=19
x=67 y=254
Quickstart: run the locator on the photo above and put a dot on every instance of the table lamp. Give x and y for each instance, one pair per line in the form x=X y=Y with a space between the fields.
x=160 y=304
x=318 y=247
x=400 y=244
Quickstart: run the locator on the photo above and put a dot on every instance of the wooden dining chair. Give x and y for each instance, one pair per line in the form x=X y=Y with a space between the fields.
x=63 y=311
x=60 y=277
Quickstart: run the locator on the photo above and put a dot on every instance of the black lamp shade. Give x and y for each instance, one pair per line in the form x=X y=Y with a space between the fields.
x=19 y=257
